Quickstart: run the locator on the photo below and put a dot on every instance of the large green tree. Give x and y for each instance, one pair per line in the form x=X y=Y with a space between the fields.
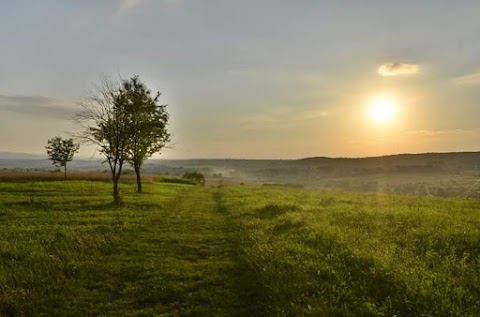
x=61 y=151
x=147 y=124
x=104 y=121
x=126 y=123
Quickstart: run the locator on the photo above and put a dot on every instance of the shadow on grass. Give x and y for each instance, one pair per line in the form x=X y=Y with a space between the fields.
x=274 y=210
x=250 y=291
x=352 y=281
x=77 y=206
x=286 y=226
x=3 y=214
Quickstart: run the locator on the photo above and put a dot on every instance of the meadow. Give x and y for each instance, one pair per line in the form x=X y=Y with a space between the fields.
x=186 y=250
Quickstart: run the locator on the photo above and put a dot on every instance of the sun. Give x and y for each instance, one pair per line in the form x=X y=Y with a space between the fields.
x=382 y=109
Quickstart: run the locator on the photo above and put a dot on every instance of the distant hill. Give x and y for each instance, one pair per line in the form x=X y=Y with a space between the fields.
x=439 y=174
x=9 y=160
x=462 y=160
x=21 y=156
x=264 y=170
x=401 y=158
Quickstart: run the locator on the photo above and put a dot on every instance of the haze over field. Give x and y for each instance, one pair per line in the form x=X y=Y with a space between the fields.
x=239 y=158
x=250 y=79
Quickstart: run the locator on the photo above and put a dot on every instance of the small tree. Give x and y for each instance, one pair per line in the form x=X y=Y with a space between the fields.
x=147 y=124
x=104 y=122
x=61 y=151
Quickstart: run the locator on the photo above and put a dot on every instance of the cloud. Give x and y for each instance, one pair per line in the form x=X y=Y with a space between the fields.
x=468 y=80
x=127 y=5
x=143 y=6
x=396 y=69
x=35 y=105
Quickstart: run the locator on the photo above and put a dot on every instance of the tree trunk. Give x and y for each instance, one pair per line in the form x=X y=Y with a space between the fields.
x=139 y=178
x=116 y=173
x=116 y=192
x=65 y=171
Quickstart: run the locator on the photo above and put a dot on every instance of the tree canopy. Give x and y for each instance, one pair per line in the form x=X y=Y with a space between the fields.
x=61 y=151
x=126 y=123
x=147 y=123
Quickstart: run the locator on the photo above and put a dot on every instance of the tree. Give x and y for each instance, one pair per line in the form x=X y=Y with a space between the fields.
x=147 y=124
x=126 y=123
x=61 y=151
x=104 y=121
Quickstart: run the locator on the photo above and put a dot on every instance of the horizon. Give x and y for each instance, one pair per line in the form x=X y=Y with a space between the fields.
x=83 y=158
x=270 y=80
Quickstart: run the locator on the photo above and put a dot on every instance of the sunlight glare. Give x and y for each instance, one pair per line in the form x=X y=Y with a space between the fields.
x=382 y=109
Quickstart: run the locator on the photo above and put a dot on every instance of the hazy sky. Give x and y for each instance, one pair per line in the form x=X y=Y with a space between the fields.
x=251 y=79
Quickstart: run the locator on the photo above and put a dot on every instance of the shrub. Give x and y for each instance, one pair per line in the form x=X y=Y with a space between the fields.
x=195 y=176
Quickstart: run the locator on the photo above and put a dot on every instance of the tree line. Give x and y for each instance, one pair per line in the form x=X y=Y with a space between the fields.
x=126 y=123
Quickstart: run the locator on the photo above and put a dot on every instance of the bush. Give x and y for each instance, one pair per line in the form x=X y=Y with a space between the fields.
x=195 y=176
x=175 y=180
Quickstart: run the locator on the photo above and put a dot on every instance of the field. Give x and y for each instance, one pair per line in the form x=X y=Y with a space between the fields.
x=234 y=251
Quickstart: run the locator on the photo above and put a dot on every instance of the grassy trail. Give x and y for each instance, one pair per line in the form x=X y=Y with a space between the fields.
x=204 y=240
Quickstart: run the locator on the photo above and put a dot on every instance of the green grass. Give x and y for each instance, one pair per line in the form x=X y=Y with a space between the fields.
x=178 y=249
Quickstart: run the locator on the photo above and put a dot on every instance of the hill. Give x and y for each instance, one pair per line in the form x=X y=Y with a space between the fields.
x=439 y=174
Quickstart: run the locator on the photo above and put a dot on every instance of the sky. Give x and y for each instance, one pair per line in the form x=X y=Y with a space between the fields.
x=251 y=79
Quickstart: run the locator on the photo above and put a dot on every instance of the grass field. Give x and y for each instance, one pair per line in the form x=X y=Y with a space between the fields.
x=234 y=251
